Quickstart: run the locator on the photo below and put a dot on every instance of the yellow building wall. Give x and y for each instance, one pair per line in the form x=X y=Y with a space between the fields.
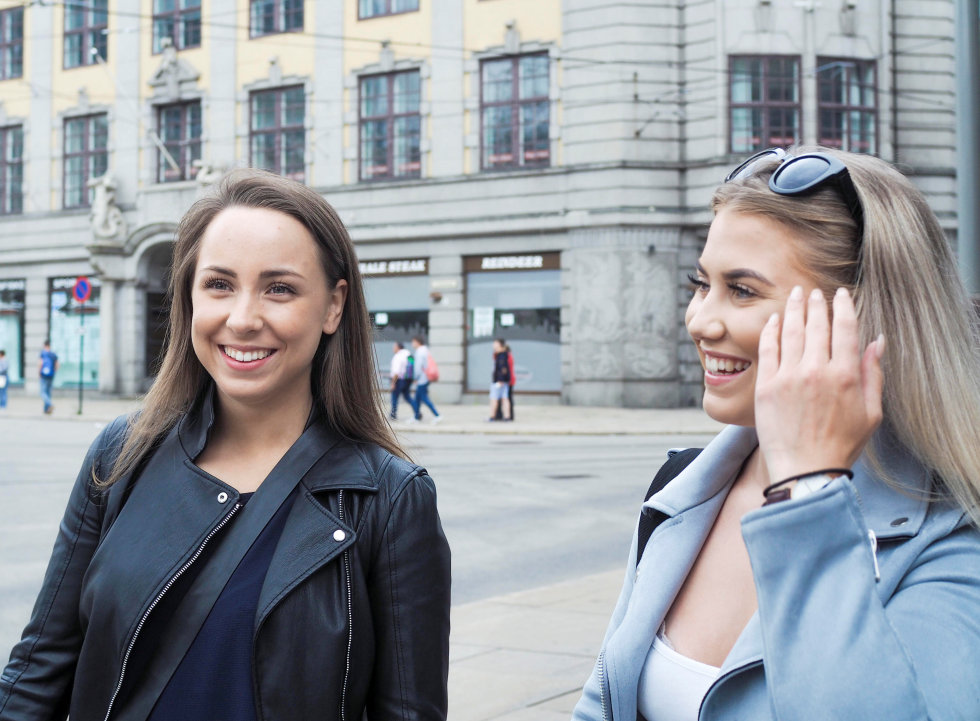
x=296 y=54
x=410 y=38
x=198 y=57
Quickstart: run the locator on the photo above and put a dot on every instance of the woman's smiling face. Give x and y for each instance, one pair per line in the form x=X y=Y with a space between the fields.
x=745 y=274
x=261 y=302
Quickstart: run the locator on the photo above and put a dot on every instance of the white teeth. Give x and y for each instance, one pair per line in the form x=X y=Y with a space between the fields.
x=246 y=357
x=724 y=365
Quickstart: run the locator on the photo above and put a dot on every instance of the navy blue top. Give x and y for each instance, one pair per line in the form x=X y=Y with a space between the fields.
x=214 y=680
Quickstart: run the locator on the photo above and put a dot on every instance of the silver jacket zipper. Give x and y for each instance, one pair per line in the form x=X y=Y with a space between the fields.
x=602 y=684
x=350 y=616
x=149 y=610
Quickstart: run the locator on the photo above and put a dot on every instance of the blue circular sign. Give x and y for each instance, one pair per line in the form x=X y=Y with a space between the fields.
x=82 y=289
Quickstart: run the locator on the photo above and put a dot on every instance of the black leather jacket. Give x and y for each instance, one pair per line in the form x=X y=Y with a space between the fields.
x=353 y=617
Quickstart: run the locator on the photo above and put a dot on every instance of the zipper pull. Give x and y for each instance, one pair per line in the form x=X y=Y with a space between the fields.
x=874 y=553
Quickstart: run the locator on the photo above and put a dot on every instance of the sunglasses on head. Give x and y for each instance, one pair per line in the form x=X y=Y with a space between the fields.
x=803 y=174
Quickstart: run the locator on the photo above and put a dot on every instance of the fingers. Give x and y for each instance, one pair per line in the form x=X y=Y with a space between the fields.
x=768 y=349
x=817 y=350
x=845 y=345
x=873 y=378
x=791 y=346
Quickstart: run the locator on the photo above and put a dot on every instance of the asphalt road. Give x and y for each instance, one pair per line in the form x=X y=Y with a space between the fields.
x=519 y=511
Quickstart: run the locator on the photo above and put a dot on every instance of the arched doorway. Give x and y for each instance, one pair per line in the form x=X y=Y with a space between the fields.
x=157 y=276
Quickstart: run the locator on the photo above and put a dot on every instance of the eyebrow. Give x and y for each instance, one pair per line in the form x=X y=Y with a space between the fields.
x=272 y=273
x=740 y=274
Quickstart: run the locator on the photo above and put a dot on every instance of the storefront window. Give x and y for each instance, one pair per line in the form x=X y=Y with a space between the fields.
x=397 y=294
x=12 y=327
x=66 y=323
x=517 y=298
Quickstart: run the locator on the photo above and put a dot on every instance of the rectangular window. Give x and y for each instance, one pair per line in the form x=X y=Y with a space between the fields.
x=12 y=294
x=11 y=170
x=179 y=20
x=764 y=102
x=86 y=157
x=515 y=112
x=11 y=43
x=179 y=128
x=847 y=104
x=85 y=36
x=275 y=16
x=278 y=134
x=374 y=8
x=390 y=125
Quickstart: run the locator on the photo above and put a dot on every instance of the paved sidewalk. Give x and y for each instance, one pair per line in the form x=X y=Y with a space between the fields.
x=525 y=656
x=531 y=419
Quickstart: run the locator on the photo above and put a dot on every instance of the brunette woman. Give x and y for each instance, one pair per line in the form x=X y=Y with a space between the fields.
x=253 y=544
x=820 y=559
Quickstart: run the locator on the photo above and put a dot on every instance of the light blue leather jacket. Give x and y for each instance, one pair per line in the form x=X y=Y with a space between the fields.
x=843 y=631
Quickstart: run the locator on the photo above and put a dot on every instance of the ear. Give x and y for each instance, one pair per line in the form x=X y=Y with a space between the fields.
x=335 y=307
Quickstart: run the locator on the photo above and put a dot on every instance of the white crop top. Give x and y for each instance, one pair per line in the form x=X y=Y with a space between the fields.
x=672 y=686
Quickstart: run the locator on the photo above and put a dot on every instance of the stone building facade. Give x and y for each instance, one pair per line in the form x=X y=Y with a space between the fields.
x=533 y=170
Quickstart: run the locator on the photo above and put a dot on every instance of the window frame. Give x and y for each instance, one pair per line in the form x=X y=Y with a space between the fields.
x=515 y=102
x=279 y=130
x=6 y=18
x=390 y=118
x=5 y=165
x=766 y=103
x=85 y=153
x=849 y=65
x=279 y=9
x=185 y=144
x=85 y=32
x=388 y=11
x=177 y=17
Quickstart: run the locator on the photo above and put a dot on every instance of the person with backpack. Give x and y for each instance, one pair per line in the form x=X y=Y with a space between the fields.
x=402 y=373
x=426 y=371
x=820 y=558
x=46 y=367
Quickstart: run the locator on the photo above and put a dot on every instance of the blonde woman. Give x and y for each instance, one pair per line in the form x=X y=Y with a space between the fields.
x=253 y=545
x=821 y=557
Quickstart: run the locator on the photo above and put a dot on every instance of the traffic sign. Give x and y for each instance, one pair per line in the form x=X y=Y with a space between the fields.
x=82 y=289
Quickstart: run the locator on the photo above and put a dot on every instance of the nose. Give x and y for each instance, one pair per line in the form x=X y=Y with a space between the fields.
x=245 y=315
x=704 y=318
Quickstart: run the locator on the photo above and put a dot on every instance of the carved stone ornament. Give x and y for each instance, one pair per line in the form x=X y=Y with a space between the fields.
x=174 y=74
x=108 y=223
x=207 y=174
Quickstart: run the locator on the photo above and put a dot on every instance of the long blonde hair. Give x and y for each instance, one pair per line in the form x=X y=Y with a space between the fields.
x=344 y=388
x=904 y=279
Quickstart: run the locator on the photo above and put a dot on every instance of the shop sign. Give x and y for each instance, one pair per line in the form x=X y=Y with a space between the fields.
x=526 y=261
x=13 y=285
x=403 y=266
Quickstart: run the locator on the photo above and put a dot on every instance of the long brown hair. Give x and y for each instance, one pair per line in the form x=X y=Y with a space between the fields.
x=344 y=388
x=904 y=279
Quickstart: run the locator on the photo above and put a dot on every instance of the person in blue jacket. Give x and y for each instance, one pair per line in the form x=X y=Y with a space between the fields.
x=820 y=558
x=253 y=544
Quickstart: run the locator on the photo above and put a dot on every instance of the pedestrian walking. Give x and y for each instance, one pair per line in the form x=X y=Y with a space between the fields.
x=510 y=387
x=402 y=372
x=253 y=544
x=47 y=365
x=500 y=381
x=423 y=364
x=821 y=556
x=4 y=377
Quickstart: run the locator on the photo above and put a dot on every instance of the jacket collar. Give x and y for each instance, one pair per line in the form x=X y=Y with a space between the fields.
x=888 y=511
x=342 y=463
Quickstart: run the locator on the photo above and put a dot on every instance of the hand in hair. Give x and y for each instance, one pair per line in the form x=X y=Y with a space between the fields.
x=817 y=396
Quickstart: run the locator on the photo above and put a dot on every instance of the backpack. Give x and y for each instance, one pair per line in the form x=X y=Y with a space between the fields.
x=410 y=367
x=431 y=369
x=649 y=517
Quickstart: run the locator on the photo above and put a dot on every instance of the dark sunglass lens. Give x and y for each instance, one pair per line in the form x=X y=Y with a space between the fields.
x=801 y=173
x=753 y=163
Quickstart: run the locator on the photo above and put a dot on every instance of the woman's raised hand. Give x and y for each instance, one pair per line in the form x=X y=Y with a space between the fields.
x=817 y=396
